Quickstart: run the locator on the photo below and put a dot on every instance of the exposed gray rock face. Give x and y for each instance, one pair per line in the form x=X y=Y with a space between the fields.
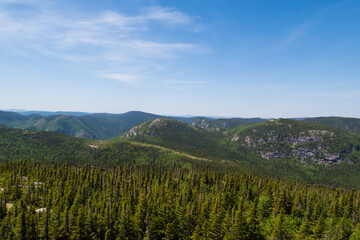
x=271 y=155
x=297 y=146
x=272 y=136
x=137 y=130
x=201 y=123
x=83 y=134
x=318 y=155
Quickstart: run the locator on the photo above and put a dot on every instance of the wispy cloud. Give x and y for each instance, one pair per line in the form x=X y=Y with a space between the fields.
x=129 y=79
x=291 y=38
x=167 y=15
x=298 y=33
x=107 y=36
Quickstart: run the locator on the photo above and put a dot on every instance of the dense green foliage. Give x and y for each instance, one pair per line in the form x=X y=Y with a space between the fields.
x=350 y=124
x=44 y=201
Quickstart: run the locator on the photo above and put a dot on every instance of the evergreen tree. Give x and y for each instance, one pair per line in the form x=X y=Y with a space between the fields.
x=254 y=224
x=279 y=232
x=240 y=229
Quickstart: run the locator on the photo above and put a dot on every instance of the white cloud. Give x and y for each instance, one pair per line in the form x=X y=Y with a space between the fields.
x=128 y=79
x=166 y=15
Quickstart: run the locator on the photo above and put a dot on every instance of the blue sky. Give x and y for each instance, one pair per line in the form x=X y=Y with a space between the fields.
x=205 y=57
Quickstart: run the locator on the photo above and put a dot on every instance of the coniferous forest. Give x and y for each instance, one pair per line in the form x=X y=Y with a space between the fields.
x=63 y=201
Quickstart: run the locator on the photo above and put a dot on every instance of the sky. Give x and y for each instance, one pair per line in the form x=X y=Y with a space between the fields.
x=233 y=58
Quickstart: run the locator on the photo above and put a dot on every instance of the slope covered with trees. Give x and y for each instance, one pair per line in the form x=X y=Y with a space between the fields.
x=63 y=201
x=350 y=124
x=277 y=148
x=17 y=144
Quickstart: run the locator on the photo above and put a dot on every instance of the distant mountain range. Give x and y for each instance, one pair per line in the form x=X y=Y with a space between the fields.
x=45 y=113
x=98 y=125
x=106 y=126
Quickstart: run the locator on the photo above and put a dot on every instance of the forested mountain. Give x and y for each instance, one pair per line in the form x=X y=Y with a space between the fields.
x=176 y=135
x=63 y=201
x=350 y=124
x=279 y=148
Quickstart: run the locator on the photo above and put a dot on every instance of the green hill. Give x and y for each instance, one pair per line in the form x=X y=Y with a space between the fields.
x=176 y=135
x=350 y=124
x=18 y=144
x=280 y=148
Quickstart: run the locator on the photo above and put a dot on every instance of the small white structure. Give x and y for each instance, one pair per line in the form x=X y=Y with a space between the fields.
x=9 y=205
x=40 y=210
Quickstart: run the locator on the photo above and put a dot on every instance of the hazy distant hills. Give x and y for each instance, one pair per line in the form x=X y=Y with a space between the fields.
x=106 y=126
x=101 y=125
x=45 y=113
x=91 y=126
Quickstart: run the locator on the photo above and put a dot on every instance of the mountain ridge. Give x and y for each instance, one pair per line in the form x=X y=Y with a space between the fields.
x=277 y=148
